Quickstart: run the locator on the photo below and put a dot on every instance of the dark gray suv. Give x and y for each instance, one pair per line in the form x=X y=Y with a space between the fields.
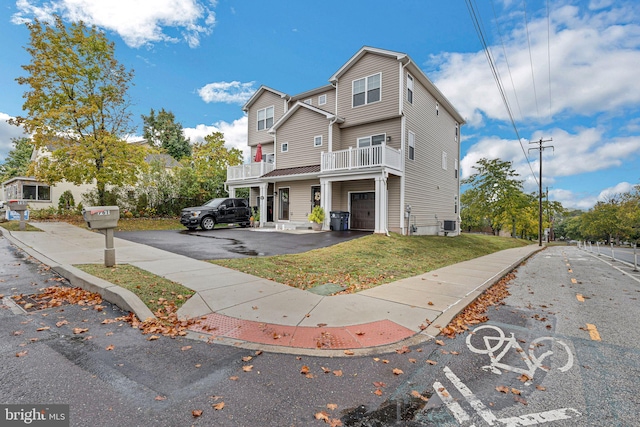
x=217 y=211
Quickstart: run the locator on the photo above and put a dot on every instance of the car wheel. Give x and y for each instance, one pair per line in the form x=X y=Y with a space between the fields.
x=207 y=223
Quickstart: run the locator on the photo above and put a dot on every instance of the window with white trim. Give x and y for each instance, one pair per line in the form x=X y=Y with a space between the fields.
x=284 y=147
x=455 y=204
x=456 y=137
x=308 y=101
x=444 y=160
x=455 y=170
x=322 y=99
x=409 y=89
x=412 y=145
x=437 y=108
x=366 y=90
x=369 y=141
x=317 y=141
x=265 y=118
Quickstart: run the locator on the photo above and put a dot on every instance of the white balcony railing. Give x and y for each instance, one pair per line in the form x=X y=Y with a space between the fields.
x=249 y=170
x=359 y=158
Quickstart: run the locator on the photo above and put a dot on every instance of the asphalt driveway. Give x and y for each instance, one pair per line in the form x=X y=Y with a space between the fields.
x=222 y=243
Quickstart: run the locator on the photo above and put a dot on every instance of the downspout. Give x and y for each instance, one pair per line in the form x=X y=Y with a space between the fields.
x=402 y=150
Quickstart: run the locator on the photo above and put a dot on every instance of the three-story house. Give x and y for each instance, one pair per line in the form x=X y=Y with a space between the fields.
x=380 y=142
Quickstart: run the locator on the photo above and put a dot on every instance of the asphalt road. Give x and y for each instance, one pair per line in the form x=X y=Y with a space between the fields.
x=223 y=243
x=575 y=380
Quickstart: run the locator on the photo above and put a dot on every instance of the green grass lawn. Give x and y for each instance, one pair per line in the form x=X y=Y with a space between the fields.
x=156 y=292
x=15 y=226
x=371 y=260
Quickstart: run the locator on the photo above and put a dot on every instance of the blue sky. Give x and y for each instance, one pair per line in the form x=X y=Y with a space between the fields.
x=569 y=72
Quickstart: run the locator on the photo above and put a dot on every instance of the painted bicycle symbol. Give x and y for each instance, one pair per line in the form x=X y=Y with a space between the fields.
x=498 y=346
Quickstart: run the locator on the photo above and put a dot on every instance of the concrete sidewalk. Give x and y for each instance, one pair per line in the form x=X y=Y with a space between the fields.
x=252 y=312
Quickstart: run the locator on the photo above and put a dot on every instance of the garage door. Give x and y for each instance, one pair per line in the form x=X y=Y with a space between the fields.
x=363 y=211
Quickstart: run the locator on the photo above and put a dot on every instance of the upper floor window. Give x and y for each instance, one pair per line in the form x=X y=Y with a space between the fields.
x=369 y=141
x=265 y=118
x=366 y=90
x=322 y=99
x=284 y=147
x=455 y=168
x=457 y=129
x=412 y=146
x=317 y=141
x=444 y=160
x=308 y=101
x=409 y=89
x=437 y=108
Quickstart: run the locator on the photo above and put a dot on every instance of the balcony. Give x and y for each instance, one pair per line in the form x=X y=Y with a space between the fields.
x=248 y=171
x=361 y=158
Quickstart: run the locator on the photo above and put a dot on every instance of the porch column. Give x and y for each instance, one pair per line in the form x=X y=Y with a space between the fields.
x=263 y=203
x=232 y=191
x=325 y=201
x=381 y=204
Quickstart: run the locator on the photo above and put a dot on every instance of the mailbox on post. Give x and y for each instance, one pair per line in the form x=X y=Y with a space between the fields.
x=104 y=218
x=19 y=206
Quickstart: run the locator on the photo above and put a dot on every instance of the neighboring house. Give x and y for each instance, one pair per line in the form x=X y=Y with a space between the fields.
x=41 y=195
x=380 y=142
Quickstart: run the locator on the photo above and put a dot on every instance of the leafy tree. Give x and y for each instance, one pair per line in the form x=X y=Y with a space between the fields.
x=203 y=176
x=605 y=220
x=495 y=194
x=77 y=107
x=163 y=131
x=18 y=159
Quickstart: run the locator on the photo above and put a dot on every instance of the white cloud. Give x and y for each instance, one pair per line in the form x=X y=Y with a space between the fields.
x=573 y=154
x=138 y=22
x=7 y=132
x=593 y=68
x=229 y=92
x=571 y=200
x=235 y=134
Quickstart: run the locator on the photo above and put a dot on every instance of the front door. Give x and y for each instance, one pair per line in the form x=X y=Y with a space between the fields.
x=315 y=196
x=269 y=208
x=283 y=195
x=363 y=211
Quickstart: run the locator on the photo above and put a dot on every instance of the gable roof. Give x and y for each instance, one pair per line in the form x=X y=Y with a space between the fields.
x=308 y=93
x=296 y=107
x=259 y=92
x=415 y=71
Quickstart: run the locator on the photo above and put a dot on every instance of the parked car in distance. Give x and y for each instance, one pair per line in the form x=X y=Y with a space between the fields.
x=217 y=211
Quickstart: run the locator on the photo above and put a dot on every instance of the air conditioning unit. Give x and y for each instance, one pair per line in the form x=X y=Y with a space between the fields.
x=449 y=225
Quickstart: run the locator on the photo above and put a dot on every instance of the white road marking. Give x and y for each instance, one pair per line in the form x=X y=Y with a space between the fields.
x=475 y=403
x=487 y=415
x=455 y=408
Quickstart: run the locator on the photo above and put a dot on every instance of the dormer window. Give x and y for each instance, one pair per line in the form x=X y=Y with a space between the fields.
x=366 y=90
x=265 y=118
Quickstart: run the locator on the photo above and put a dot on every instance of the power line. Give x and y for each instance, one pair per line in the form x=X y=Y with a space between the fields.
x=533 y=77
x=478 y=27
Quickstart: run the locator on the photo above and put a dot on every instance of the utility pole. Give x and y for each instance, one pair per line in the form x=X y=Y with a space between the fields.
x=540 y=148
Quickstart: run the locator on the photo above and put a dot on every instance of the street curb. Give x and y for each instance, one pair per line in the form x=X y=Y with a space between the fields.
x=448 y=315
x=121 y=297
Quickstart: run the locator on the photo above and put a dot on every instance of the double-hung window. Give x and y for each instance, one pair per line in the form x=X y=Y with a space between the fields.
x=412 y=146
x=265 y=118
x=409 y=89
x=366 y=90
x=317 y=141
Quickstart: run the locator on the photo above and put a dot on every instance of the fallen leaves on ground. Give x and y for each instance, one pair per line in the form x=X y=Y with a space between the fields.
x=419 y=395
x=80 y=330
x=397 y=371
x=475 y=312
x=196 y=413
x=110 y=347
x=349 y=352
x=161 y=397
x=218 y=406
x=247 y=368
x=431 y=362
x=403 y=350
x=22 y=353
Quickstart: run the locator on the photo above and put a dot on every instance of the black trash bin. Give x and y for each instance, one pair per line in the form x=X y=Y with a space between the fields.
x=339 y=220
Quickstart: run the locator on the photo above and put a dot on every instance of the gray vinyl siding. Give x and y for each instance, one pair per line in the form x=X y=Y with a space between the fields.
x=267 y=99
x=387 y=107
x=330 y=106
x=429 y=189
x=298 y=131
x=349 y=136
x=393 y=213
x=299 y=199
